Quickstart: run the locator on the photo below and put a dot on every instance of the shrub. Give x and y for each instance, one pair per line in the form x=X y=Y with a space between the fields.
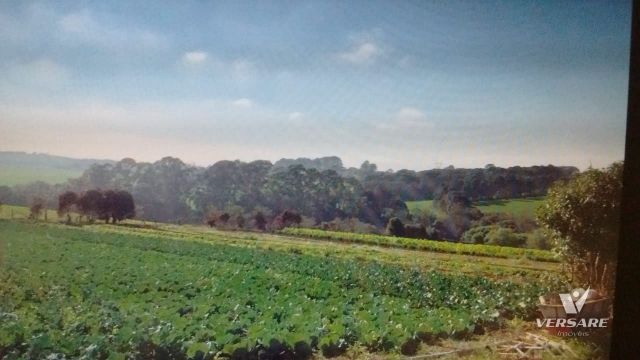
x=259 y=221
x=539 y=239
x=521 y=224
x=286 y=219
x=395 y=227
x=415 y=231
x=494 y=235
x=426 y=217
x=216 y=218
x=240 y=221
x=224 y=218
x=505 y=237
x=476 y=235
x=443 y=230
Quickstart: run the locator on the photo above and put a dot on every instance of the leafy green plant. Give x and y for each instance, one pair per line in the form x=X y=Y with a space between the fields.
x=83 y=292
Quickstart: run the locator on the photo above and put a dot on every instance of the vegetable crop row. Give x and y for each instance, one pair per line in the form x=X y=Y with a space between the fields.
x=73 y=293
x=424 y=244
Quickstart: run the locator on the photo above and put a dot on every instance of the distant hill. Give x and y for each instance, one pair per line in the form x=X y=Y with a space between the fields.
x=21 y=167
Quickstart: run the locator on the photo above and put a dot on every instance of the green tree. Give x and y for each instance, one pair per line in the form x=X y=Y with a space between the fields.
x=66 y=201
x=88 y=204
x=583 y=215
x=37 y=207
x=123 y=206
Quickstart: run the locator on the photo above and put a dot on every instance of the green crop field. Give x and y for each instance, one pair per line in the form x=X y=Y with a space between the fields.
x=525 y=207
x=427 y=245
x=134 y=290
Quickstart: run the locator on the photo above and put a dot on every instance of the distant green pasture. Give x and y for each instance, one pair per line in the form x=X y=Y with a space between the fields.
x=22 y=175
x=525 y=207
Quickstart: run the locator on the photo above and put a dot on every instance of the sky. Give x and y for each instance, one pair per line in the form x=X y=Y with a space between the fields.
x=403 y=84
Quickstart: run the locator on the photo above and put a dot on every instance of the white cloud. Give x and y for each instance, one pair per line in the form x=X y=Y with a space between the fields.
x=194 y=57
x=240 y=70
x=242 y=103
x=407 y=118
x=361 y=53
x=411 y=115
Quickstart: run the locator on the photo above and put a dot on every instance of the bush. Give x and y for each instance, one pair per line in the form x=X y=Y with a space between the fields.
x=224 y=218
x=395 y=227
x=476 y=235
x=286 y=219
x=521 y=224
x=505 y=237
x=539 y=239
x=443 y=230
x=259 y=221
x=415 y=231
x=240 y=221
x=426 y=217
x=494 y=235
x=217 y=218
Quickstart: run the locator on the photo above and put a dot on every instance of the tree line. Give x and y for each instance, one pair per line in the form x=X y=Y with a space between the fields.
x=580 y=218
x=170 y=190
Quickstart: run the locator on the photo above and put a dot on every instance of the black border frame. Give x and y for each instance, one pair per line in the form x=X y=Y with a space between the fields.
x=625 y=340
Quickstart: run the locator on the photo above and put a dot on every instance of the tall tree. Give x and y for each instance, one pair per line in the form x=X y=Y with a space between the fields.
x=37 y=207
x=123 y=206
x=66 y=201
x=88 y=204
x=583 y=214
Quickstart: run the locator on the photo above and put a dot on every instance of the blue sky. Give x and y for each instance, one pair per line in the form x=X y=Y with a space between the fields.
x=406 y=84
